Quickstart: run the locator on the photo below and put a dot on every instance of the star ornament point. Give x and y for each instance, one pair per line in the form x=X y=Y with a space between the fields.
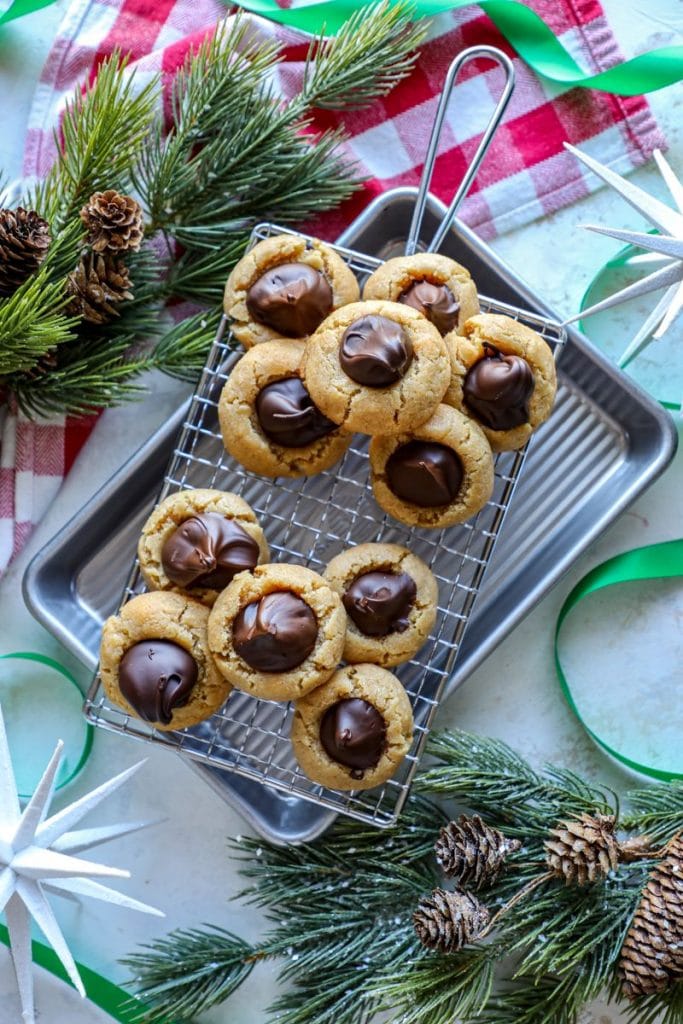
x=40 y=856
x=665 y=247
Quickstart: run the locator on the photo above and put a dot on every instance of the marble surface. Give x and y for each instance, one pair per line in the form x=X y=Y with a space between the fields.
x=182 y=865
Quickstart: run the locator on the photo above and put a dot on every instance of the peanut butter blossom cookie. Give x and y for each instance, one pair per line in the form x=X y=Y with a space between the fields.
x=284 y=287
x=376 y=367
x=503 y=376
x=436 y=286
x=194 y=542
x=155 y=661
x=438 y=475
x=268 y=419
x=354 y=731
x=277 y=632
x=390 y=597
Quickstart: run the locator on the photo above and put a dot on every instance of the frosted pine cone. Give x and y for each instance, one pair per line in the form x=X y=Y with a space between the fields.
x=472 y=852
x=583 y=849
x=447 y=921
x=652 y=955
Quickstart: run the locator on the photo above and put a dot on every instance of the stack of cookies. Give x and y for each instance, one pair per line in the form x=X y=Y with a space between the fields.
x=220 y=614
x=438 y=385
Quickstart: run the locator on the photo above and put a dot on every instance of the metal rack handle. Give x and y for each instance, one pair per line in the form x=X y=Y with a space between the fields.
x=473 y=53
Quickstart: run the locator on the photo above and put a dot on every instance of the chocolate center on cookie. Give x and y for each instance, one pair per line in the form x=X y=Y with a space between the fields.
x=275 y=633
x=353 y=733
x=155 y=677
x=287 y=415
x=293 y=299
x=379 y=603
x=424 y=473
x=435 y=301
x=497 y=389
x=207 y=550
x=375 y=351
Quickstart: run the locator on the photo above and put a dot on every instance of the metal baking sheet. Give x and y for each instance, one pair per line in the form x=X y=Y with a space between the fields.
x=606 y=442
x=310 y=520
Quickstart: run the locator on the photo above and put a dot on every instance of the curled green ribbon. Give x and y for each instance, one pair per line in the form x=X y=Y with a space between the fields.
x=75 y=758
x=104 y=994
x=654 y=562
x=525 y=30
x=21 y=7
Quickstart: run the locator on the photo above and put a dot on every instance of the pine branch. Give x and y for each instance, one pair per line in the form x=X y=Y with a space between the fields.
x=549 y=1000
x=181 y=352
x=365 y=60
x=657 y=810
x=438 y=989
x=505 y=786
x=341 y=911
x=190 y=971
x=32 y=322
x=104 y=131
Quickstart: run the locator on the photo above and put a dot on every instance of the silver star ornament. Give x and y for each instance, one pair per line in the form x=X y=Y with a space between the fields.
x=664 y=248
x=38 y=856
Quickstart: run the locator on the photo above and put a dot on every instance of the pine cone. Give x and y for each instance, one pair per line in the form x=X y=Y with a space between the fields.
x=113 y=222
x=583 y=849
x=449 y=920
x=652 y=955
x=98 y=285
x=472 y=852
x=24 y=241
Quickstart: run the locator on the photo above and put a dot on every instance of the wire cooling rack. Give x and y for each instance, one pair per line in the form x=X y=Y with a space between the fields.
x=309 y=521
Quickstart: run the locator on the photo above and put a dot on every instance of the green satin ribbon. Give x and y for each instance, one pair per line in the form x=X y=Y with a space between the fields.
x=535 y=41
x=76 y=757
x=21 y=7
x=104 y=994
x=655 y=562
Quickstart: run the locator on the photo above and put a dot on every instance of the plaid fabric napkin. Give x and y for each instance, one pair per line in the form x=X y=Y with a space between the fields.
x=526 y=174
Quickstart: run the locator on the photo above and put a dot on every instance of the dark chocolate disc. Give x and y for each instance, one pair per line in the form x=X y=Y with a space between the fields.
x=375 y=351
x=207 y=550
x=435 y=301
x=292 y=298
x=155 y=677
x=287 y=415
x=497 y=389
x=275 y=633
x=424 y=473
x=353 y=733
x=380 y=602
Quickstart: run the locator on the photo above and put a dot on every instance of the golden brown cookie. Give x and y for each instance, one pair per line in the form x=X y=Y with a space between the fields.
x=503 y=376
x=437 y=475
x=354 y=731
x=438 y=287
x=155 y=662
x=277 y=632
x=390 y=597
x=376 y=367
x=285 y=286
x=194 y=542
x=265 y=412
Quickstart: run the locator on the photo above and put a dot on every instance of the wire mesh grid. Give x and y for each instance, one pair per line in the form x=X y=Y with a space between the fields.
x=309 y=521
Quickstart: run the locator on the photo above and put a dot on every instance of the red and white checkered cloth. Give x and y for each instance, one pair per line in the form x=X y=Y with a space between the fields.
x=526 y=174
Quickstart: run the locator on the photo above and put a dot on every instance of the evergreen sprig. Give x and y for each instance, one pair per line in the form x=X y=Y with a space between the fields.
x=192 y=969
x=340 y=910
x=234 y=155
